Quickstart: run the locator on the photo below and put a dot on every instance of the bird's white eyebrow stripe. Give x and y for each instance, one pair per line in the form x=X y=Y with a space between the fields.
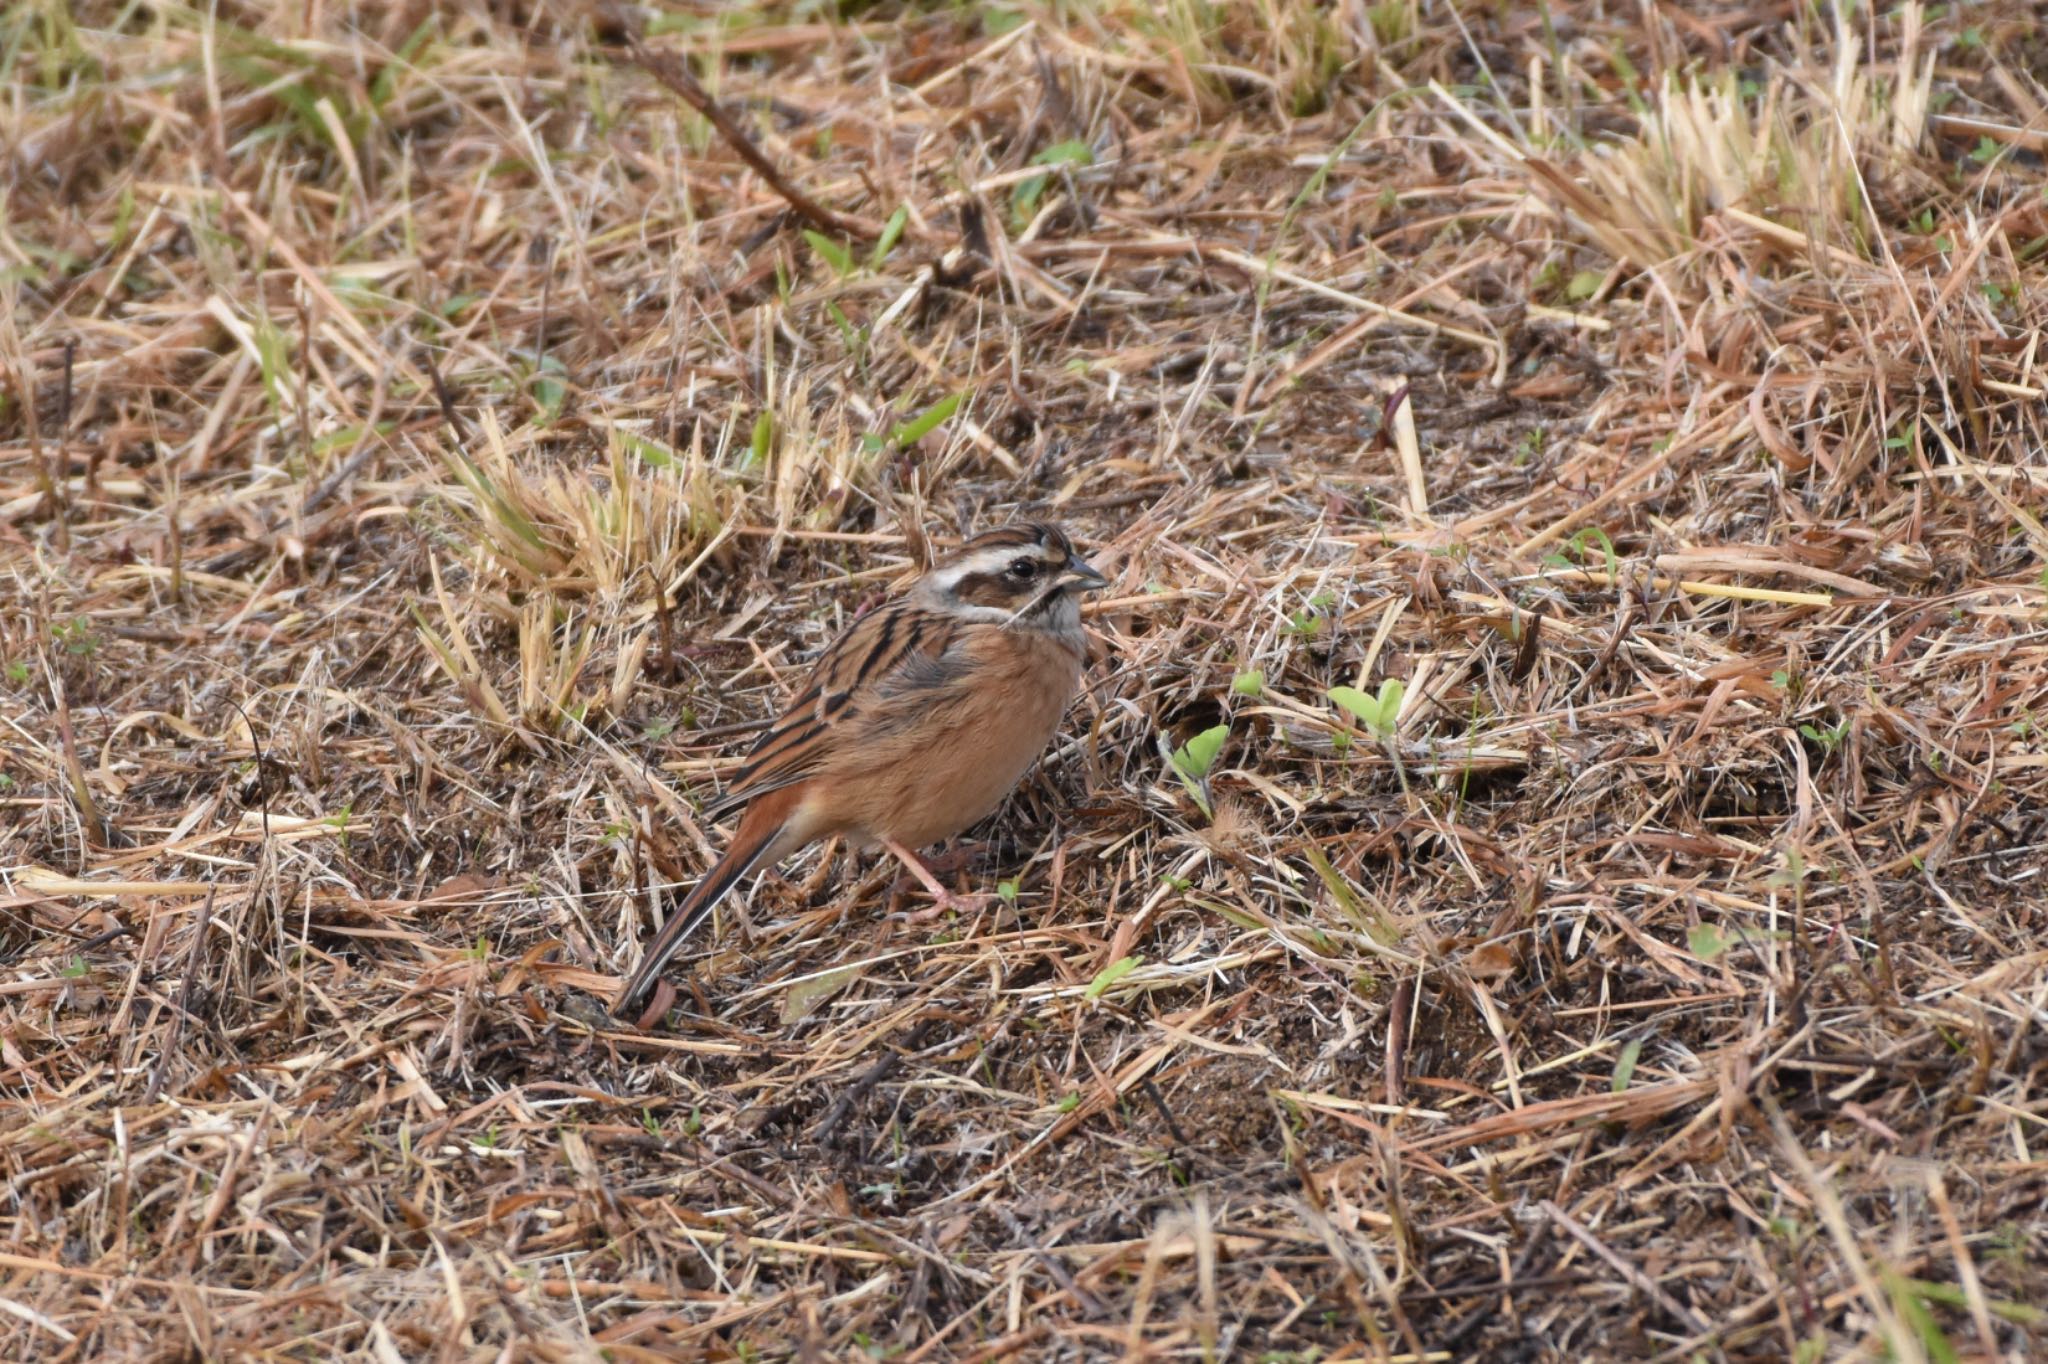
x=994 y=559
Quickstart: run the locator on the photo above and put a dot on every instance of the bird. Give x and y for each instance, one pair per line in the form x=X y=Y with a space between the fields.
x=915 y=723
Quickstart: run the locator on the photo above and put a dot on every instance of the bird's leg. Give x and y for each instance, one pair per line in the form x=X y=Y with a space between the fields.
x=954 y=858
x=942 y=899
x=914 y=864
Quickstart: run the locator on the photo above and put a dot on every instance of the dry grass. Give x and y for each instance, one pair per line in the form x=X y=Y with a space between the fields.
x=427 y=444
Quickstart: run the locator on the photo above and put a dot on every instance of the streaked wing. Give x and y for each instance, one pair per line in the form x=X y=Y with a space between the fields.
x=896 y=649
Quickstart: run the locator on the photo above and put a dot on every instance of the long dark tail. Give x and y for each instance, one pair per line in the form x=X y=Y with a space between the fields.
x=756 y=834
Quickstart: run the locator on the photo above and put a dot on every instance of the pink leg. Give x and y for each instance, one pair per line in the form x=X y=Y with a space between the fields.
x=942 y=899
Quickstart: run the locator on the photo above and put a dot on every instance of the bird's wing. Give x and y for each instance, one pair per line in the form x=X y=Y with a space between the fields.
x=889 y=654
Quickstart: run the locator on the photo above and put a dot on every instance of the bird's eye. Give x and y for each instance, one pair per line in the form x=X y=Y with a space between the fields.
x=1024 y=569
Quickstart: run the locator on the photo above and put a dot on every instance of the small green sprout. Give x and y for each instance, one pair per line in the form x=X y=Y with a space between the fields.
x=892 y=231
x=549 y=387
x=74 y=636
x=1625 y=1066
x=831 y=252
x=1307 y=621
x=1705 y=942
x=1828 y=739
x=1577 y=545
x=1381 y=713
x=925 y=422
x=1111 y=974
x=1024 y=199
x=1192 y=760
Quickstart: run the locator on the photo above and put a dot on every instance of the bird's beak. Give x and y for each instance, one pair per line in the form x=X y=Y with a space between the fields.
x=1080 y=575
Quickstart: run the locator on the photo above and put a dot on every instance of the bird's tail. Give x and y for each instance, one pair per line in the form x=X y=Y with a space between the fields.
x=751 y=842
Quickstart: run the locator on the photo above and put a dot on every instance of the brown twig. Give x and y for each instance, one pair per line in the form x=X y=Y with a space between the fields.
x=1398 y=1009
x=442 y=396
x=882 y=1069
x=1641 y=1281
x=677 y=76
x=182 y=1010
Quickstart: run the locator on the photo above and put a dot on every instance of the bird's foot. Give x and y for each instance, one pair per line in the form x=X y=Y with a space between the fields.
x=946 y=902
x=943 y=901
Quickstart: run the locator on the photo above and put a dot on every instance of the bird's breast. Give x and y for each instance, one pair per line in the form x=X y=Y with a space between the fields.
x=946 y=761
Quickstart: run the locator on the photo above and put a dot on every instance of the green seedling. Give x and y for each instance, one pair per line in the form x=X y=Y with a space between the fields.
x=75 y=637
x=1192 y=760
x=927 y=421
x=1705 y=942
x=1380 y=714
x=892 y=232
x=855 y=339
x=831 y=252
x=1828 y=739
x=1307 y=621
x=1111 y=974
x=1024 y=199
x=1576 y=548
x=1915 y=1317
x=550 y=392
x=339 y=821
x=1625 y=1066
x=1361 y=915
